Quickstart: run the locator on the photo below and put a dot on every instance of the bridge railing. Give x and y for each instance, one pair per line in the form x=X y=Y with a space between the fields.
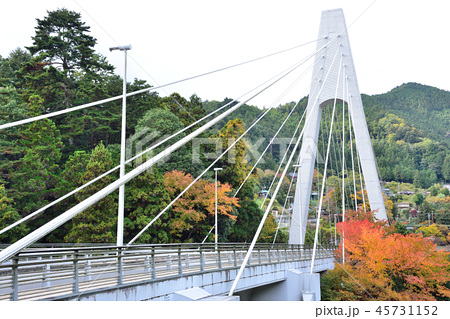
x=35 y=274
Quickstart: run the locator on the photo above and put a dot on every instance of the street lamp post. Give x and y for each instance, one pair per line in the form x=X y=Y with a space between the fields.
x=120 y=216
x=297 y=168
x=215 y=224
x=335 y=236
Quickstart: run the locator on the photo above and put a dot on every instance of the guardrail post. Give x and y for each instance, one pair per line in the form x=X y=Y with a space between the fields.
x=15 y=280
x=180 y=266
x=87 y=268
x=75 y=272
x=235 y=257
x=259 y=255
x=219 y=260
x=188 y=261
x=119 y=266
x=202 y=265
x=46 y=272
x=153 y=264
x=270 y=259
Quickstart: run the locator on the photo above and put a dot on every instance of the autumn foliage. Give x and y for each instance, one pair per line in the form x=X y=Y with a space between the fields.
x=381 y=264
x=198 y=202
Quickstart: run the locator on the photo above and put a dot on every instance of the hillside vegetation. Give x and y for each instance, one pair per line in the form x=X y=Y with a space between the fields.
x=43 y=160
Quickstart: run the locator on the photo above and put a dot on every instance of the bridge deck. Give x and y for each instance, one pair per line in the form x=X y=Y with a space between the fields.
x=37 y=274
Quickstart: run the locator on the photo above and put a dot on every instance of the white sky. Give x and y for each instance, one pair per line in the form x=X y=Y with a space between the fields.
x=393 y=42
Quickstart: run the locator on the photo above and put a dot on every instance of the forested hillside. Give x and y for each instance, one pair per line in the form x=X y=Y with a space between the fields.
x=42 y=161
x=410 y=127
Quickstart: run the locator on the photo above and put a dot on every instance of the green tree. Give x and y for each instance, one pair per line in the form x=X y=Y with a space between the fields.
x=187 y=111
x=8 y=216
x=249 y=216
x=11 y=109
x=446 y=168
x=146 y=197
x=96 y=224
x=64 y=38
x=10 y=65
x=234 y=163
x=154 y=127
x=33 y=177
x=66 y=71
x=418 y=199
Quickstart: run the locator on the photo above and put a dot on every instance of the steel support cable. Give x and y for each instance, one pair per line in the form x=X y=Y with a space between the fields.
x=270 y=143
x=351 y=147
x=292 y=179
x=284 y=206
x=41 y=210
x=80 y=107
x=315 y=102
x=331 y=160
x=212 y=164
x=336 y=142
x=61 y=219
x=358 y=160
x=324 y=173
x=282 y=160
x=267 y=147
x=263 y=219
x=343 y=154
x=275 y=135
x=279 y=166
x=195 y=180
x=284 y=156
x=289 y=191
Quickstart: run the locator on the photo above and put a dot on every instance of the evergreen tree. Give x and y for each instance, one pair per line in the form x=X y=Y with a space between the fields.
x=98 y=223
x=446 y=168
x=8 y=216
x=146 y=197
x=33 y=177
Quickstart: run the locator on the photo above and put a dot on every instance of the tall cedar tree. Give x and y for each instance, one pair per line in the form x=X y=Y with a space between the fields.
x=66 y=71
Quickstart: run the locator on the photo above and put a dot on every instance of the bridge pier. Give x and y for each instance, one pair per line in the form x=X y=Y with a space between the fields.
x=298 y=286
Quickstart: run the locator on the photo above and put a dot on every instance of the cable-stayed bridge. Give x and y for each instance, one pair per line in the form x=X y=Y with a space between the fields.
x=219 y=271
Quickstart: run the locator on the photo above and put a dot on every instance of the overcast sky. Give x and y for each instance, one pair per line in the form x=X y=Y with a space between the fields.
x=393 y=42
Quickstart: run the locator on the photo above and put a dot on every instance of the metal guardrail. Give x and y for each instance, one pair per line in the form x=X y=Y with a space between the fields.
x=36 y=274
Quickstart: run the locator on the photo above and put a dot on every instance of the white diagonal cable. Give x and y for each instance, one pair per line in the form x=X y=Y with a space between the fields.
x=324 y=173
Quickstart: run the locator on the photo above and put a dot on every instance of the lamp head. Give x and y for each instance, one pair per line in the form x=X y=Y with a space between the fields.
x=121 y=48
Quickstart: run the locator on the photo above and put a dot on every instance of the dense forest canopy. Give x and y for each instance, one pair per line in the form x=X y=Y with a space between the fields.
x=42 y=161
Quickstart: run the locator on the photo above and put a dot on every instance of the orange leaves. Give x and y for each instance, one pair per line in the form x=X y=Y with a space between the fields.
x=410 y=266
x=199 y=198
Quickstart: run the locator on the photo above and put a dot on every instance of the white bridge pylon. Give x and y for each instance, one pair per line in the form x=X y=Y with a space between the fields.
x=337 y=81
